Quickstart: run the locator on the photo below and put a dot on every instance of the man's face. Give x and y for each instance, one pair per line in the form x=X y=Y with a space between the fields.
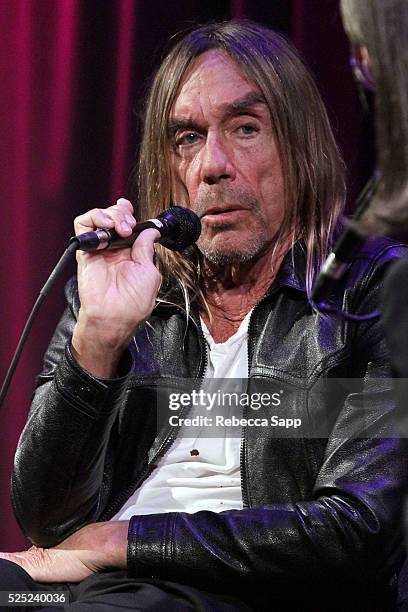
x=225 y=163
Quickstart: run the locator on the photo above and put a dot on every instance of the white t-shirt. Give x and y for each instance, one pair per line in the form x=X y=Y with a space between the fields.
x=208 y=479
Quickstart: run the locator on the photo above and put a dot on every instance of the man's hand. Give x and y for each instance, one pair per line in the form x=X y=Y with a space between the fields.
x=94 y=547
x=117 y=289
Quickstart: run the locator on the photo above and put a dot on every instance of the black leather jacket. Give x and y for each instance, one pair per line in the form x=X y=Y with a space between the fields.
x=321 y=517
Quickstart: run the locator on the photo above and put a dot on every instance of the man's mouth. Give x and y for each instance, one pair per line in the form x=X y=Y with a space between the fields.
x=218 y=212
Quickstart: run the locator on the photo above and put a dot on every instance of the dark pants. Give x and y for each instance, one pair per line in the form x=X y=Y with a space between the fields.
x=115 y=591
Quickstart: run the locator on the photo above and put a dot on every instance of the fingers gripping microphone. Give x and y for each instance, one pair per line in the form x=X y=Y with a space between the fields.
x=179 y=228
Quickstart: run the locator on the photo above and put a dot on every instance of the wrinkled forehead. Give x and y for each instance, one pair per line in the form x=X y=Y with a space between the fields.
x=213 y=81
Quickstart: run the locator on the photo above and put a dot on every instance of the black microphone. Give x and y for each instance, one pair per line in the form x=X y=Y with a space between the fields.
x=345 y=248
x=335 y=265
x=178 y=226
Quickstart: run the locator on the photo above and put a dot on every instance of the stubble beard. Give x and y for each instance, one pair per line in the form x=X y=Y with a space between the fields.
x=219 y=251
x=223 y=257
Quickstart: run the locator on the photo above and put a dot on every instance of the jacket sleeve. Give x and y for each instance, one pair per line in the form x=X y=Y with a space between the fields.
x=67 y=431
x=348 y=530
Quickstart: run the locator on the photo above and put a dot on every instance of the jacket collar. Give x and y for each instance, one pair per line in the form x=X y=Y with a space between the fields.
x=292 y=273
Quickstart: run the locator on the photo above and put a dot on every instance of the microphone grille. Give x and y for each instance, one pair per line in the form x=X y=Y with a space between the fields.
x=183 y=228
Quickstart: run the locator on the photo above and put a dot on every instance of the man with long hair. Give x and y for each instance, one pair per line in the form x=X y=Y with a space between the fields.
x=135 y=517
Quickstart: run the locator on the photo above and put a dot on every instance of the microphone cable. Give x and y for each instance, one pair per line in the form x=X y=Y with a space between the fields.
x=34 y=311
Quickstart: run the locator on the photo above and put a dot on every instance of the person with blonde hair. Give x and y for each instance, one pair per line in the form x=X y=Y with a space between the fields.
x=378 y=32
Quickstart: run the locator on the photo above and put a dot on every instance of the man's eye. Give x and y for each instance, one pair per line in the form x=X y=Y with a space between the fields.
x=247 y=129
x=188 y=138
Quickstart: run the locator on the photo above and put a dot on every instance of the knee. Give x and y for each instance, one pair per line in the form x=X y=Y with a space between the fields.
x=13 y=577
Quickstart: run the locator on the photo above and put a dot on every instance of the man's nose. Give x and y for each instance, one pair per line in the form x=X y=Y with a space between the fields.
x=216 y=161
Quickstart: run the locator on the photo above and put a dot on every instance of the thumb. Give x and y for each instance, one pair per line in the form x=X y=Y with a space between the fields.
x=143 y=247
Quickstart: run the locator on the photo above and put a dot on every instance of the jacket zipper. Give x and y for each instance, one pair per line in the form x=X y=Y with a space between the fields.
x=242 y=454
x=244 y=483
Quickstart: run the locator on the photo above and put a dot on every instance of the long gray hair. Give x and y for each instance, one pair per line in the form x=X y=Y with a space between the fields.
x=382 y=27
x=312 y=166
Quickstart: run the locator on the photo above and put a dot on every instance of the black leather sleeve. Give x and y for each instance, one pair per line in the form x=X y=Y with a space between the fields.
x=348 y=531
x=395 y=319
x=58 y=480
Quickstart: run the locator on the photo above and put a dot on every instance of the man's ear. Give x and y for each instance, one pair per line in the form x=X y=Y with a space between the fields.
x=362 y=67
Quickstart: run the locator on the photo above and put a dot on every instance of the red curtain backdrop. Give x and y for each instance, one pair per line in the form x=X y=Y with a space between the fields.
x=73 y=75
